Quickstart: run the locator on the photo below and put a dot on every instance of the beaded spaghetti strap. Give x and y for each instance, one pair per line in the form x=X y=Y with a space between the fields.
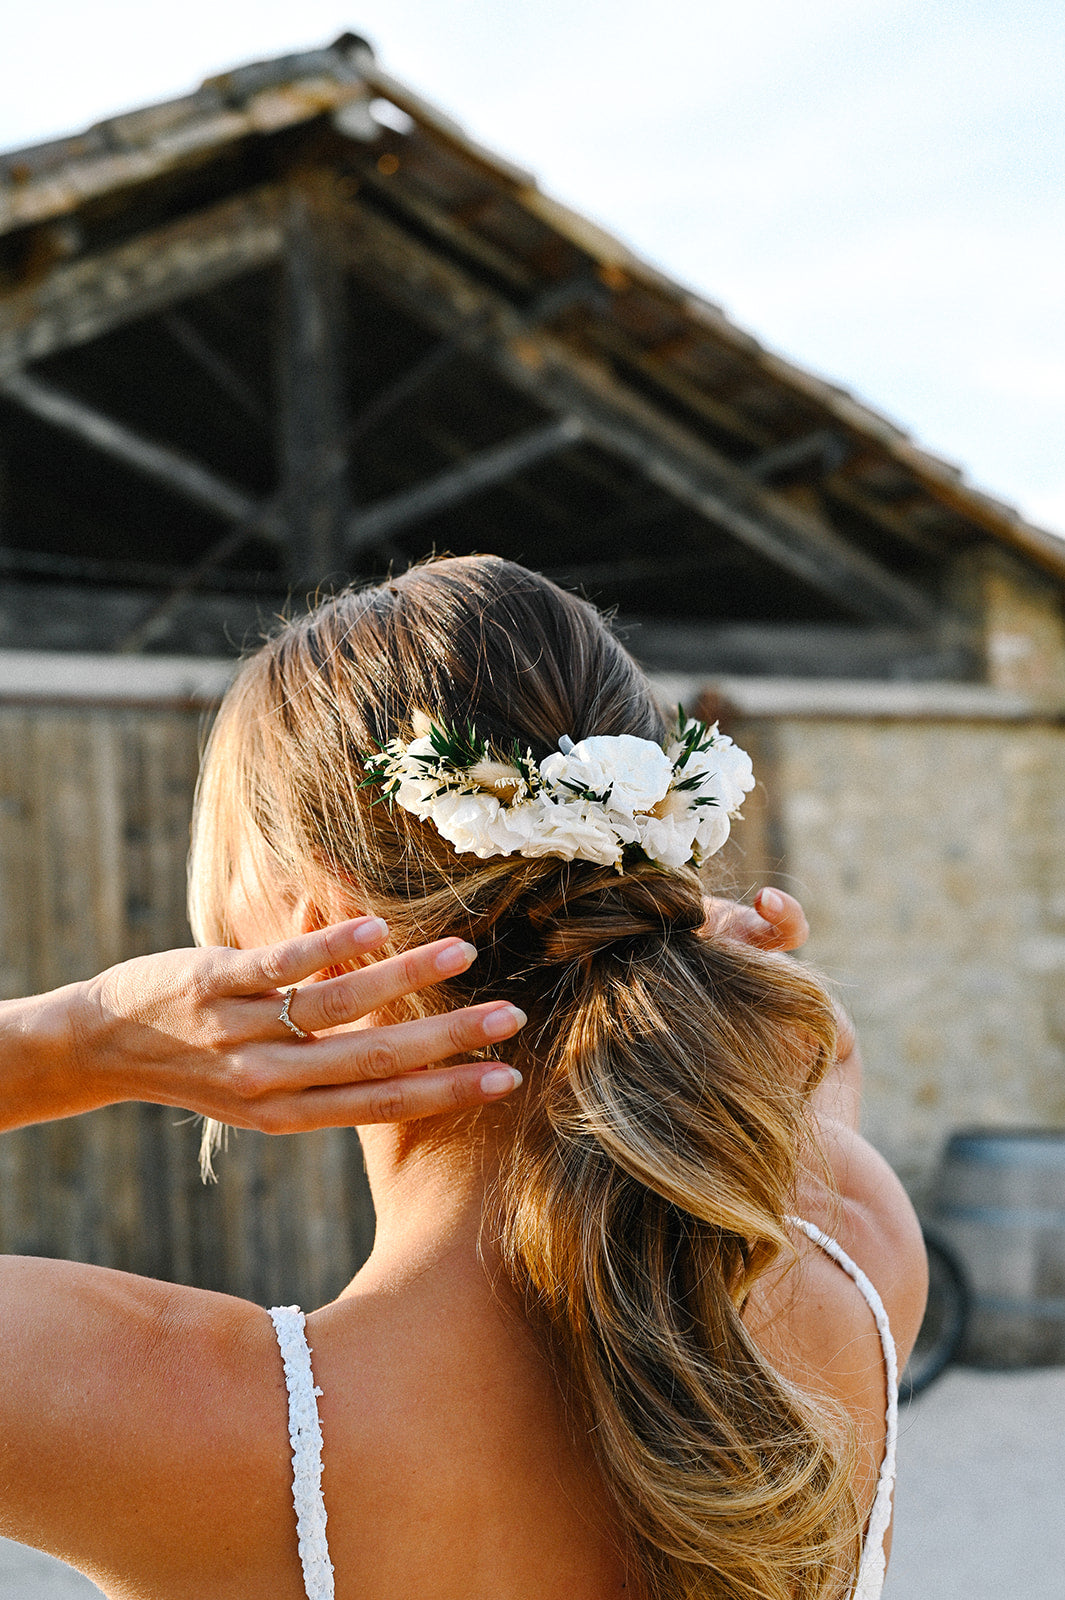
x=305 y=1433
x=871 y=1571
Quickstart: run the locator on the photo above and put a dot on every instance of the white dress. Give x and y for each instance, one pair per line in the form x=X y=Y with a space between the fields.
x=305 y=1433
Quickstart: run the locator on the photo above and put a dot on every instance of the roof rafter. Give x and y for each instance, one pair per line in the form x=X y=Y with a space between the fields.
x=477 y=472
x=574 y=384
x=175 y=470
x=722 y=413
x=83 y=299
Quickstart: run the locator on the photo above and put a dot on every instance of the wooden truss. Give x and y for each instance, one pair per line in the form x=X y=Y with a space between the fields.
x=317 y=231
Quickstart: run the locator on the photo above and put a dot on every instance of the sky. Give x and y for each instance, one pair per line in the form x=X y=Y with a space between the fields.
x=874 y=188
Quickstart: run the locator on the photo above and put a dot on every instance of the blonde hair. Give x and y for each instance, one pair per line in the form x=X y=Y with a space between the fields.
x=654 y=1151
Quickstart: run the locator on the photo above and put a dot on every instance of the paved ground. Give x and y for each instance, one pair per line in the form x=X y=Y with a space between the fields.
x=980 y=1509
x=980 y=1505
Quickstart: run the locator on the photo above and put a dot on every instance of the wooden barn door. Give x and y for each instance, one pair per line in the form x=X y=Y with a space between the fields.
x=94 y=825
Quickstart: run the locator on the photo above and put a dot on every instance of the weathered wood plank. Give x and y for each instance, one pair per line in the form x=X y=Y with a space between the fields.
x=94 y=811
x=82 y=299
x=312 y=418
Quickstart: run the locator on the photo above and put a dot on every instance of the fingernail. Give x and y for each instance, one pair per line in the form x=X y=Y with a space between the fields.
x=769 y=903
x=502 y=1022
x=455 y=957
x=500 y=1081
x=372 y=931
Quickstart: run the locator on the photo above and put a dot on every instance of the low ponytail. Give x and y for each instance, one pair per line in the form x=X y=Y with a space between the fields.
x=642 y=1196
x=655 y=1145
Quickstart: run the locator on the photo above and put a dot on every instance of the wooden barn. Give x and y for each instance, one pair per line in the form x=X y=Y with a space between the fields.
x=296 y=329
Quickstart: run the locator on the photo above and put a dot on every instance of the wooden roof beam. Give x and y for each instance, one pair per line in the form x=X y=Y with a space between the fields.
x=222 y=373
x=554 y=375
x=574 y=291
x=797 y=542
x=83 y=299
x=815 y=650
x=825 y=449
x=724 y=415
x=164 y=465
x=312 y=412
x=482 y=471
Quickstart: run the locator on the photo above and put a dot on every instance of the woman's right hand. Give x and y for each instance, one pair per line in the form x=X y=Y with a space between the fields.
x=202 y=1029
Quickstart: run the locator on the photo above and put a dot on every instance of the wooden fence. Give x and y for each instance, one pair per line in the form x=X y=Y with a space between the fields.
x=96 y=781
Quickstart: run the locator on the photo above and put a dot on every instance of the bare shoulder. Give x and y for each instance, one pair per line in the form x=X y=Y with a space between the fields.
x=808 y=1315
x=868 y=1212
x=144 y=1430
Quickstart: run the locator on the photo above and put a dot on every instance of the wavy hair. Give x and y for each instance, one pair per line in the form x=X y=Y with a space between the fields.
x=651 y=1160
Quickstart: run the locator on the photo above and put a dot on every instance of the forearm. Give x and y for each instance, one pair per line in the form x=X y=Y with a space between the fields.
x=42 y=1075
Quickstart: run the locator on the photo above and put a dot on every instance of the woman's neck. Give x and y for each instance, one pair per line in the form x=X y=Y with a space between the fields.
x=429 y=1187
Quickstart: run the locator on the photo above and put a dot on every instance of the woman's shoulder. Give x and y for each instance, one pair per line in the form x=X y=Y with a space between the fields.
x=167 y=1404
x=864 y=1207
x=809 y=1316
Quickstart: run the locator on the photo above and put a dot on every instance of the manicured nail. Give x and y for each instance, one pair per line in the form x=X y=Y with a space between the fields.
x=769 y=903
x=455 y=958
x=502 y=1022
x=500 y=1081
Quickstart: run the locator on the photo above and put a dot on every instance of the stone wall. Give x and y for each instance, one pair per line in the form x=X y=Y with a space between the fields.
x=928 y=852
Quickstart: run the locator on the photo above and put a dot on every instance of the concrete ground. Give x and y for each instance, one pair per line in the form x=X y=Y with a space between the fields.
x=980 y=1506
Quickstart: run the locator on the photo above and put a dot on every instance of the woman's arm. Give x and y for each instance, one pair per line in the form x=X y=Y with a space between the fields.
x=202 y=1029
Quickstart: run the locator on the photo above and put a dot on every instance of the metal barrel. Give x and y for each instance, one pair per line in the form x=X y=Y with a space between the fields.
x=999 y=1199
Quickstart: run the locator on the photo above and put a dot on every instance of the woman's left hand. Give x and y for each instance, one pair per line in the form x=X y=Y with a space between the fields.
x=776 y=921
x=203 y=1029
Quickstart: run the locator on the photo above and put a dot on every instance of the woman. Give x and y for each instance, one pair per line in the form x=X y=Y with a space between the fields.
x=592 y=1353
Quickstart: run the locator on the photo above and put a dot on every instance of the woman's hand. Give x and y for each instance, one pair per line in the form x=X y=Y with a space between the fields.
x=776 y=921
x=202 y=1029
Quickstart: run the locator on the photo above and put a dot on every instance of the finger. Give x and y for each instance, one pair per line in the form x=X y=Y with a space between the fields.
x=276 y=966
x=336 y=1001
x=727 y=919
x=786 y=918
x=376 y=1054
x=422 y=1094
x=776 y=921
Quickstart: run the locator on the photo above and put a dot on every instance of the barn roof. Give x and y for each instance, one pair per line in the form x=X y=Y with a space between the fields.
x=602 y=360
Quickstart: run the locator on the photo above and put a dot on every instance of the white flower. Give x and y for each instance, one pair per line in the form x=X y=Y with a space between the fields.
x=586 y=802
x=418 y=779
x=668 y=834
x=634 y=772
x=476 y=824
x=712 y=831
x=576 y=830
x=420 y=747
x=723 y=772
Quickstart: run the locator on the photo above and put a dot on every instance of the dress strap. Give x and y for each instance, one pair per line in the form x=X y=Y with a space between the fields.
x=305 y=1434
x=874 y=1562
